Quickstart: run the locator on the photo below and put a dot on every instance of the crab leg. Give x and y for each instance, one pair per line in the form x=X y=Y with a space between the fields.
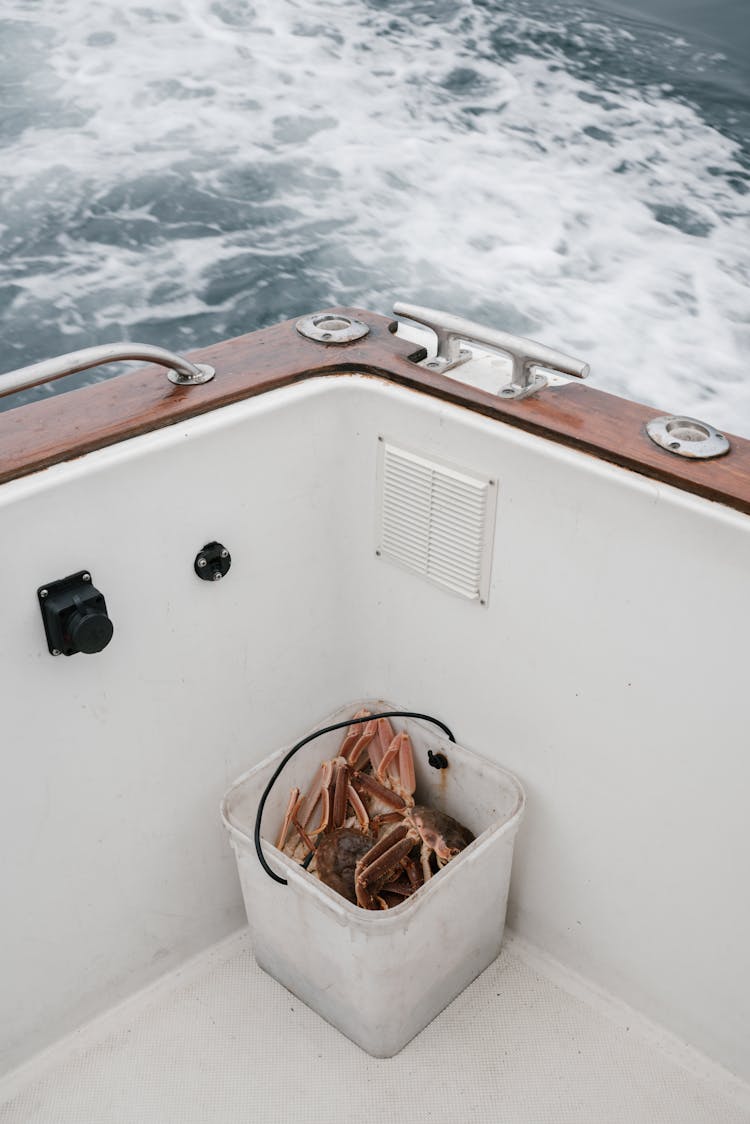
x=384 y=736
x=309 y=843
x=402 y=770
x=353 y=734
x=386 y=817
x=373 y=787
x=412 y=873
x=388 y=862
x=424 y=858
x=356 y=752
x=359 y=809
x=358 y=738
x=401 y=887
x=313 y=796
x=292 y=809
x=340 y=785
x=383 y=845
x=380 y=861
x=325 y=795
x=406 y=765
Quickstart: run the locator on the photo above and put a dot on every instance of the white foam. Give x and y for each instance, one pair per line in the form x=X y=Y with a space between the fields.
x=507 y=197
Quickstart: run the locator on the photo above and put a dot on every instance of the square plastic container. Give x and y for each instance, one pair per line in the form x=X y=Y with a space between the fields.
x=380 y=976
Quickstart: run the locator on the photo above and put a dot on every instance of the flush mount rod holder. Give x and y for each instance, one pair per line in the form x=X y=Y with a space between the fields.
x=179 y=371
x=526 y=355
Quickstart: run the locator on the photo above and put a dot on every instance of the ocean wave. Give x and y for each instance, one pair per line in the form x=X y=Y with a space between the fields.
x=183 y=174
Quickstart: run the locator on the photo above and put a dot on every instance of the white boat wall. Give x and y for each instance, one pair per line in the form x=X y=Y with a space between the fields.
x=587 y=634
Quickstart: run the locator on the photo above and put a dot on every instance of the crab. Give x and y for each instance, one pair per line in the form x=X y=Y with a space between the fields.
x=392 y=761
x=342 y=789
x=333 y=788
x=354 y=849
x=436 y=833
x=388 y=790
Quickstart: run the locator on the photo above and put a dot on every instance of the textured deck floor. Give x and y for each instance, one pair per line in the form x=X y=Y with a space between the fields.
x=221 y=1042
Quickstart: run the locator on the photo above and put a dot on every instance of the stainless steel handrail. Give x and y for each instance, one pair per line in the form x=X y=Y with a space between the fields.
x=179 y=370
x=525 y=354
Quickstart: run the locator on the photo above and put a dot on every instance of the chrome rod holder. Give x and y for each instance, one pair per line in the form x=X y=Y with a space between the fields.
x=687 y=437
x=179 y=370
x=331 y=328
x=525 y=355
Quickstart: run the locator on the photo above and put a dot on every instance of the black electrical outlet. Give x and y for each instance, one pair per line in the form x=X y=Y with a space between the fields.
x=75 y=615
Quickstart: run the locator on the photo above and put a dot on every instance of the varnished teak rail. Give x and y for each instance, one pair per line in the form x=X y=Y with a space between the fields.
x=41 y=434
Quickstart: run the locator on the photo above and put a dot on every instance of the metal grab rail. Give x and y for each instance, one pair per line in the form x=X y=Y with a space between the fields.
x=179 y=370
x=525 y=354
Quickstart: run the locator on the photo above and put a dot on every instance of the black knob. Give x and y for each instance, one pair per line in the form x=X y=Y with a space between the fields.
x=89 y=630
x=75 y=615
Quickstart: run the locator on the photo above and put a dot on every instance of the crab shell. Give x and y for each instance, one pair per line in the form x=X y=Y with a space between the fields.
x=440 y=832
x=336 y=858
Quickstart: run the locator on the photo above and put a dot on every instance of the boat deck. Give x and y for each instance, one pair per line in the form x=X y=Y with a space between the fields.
x=221 y=1041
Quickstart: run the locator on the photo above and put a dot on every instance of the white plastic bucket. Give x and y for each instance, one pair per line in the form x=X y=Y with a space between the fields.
x=380 y=976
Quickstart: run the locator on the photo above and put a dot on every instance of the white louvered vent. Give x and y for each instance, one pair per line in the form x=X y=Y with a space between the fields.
x=436 y=520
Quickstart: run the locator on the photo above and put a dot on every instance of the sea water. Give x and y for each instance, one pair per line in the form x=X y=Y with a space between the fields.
x=188 y=171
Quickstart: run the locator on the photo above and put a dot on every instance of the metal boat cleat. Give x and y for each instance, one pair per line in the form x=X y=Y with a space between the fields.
x=527 y=356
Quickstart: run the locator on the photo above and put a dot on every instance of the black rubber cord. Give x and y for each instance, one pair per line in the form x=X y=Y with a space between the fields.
x=311 y=737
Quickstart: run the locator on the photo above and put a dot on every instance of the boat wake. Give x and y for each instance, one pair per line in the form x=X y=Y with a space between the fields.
x=180 y=174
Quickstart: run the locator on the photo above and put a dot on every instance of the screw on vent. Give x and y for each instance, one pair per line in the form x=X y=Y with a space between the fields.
x=212 y=562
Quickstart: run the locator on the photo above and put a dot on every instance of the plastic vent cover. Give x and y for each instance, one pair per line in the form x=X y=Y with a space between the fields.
x=436 y=520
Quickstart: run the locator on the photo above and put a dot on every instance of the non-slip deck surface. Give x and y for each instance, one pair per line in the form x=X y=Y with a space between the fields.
x=222 y=1042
